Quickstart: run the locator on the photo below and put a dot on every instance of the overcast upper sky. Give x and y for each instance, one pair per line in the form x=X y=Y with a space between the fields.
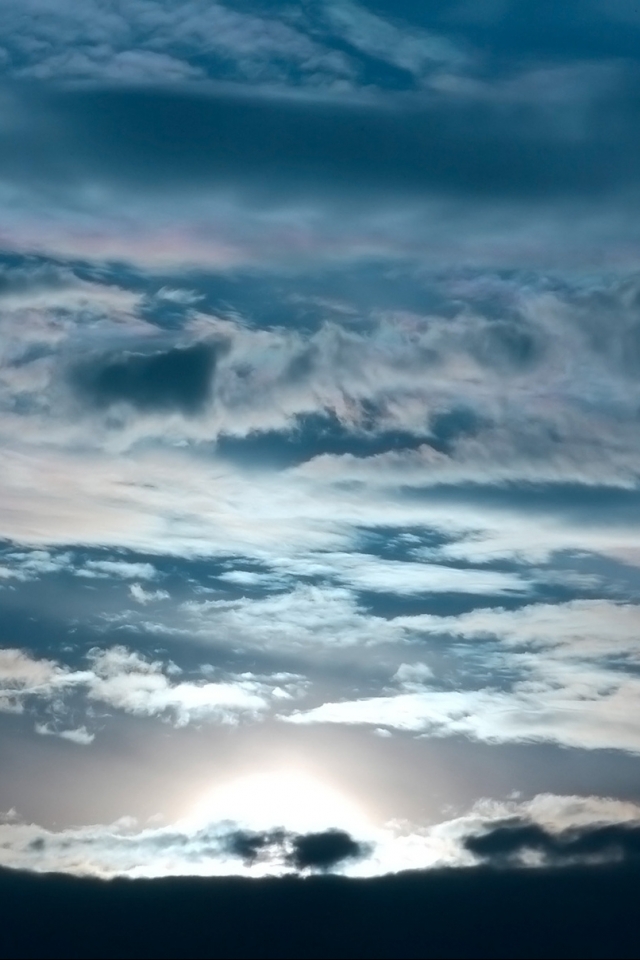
x=320 y=427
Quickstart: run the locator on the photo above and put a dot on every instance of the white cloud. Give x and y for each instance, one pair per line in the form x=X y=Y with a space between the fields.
x=125 y=680
x=79 y=735
x=308 y=618
x=121 y=568
x=411 y=674
x=32 y=564
x=146 y=596
x=274 y=518
x=128 y=682
x=583 y=707
x=22 y=676
x=579 y=629
x=368 y=572
x=573 y=684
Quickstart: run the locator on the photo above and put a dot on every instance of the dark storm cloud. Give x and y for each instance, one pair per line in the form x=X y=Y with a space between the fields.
x=573 y=912
x=324 y=850
x=178 y=379
x=270 y=148
x=510 y=840
x=249 y=844
x=315 y=851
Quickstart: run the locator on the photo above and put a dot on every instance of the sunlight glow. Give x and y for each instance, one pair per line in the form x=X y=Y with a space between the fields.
x=286 y=799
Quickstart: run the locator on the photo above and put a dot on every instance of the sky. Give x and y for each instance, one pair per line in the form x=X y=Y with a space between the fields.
x=320 y=436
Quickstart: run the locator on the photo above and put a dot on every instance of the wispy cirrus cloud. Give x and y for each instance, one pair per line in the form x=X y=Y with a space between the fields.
x=562 y=673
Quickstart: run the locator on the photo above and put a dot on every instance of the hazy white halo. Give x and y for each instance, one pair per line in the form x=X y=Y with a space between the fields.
x=286 y=798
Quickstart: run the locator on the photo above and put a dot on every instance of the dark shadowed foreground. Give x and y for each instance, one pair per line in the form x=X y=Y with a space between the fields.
x=482 y=912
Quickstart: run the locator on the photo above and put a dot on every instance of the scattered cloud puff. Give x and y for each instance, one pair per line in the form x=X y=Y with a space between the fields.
x=121 y=679
x=78 y=735
x=23 y=676
x=25 y=565
x=146 y=596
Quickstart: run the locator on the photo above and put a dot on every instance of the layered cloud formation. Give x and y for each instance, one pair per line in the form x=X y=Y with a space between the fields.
x=319 y=355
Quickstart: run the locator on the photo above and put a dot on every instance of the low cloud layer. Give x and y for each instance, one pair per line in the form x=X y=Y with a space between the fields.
x=546 y=830
x=513 y=841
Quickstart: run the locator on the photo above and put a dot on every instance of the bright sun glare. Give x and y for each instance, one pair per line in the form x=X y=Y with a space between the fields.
x=286 y=799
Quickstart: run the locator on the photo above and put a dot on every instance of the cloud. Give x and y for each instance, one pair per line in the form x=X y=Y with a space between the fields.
x=79 y=735
x=322 y=851
x=124 y=680
x=514 y=840
x=155 y=42
x=315 y=851
x=261 y=145
x=146 y=596
x=306 y=618
x=409 y=674
x=579 y=629
x=560 y=673
x=179 y=379
x=236 y=175
x=249 y=845
x=119 y=568
x=126 y=848
x=22 y=676
x=409 y=49
x=403 y=578
x=127 y=682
